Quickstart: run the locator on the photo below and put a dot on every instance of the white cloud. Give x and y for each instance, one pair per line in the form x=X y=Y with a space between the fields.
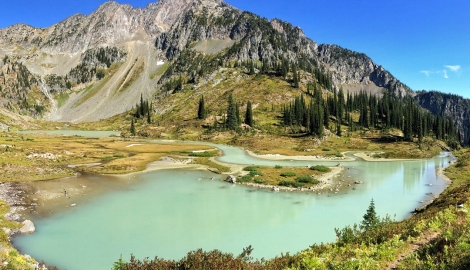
x=426 y=72
x=445 y=74
x=453 y=68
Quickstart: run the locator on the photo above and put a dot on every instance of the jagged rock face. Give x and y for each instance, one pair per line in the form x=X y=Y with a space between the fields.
x=219 y=21
x=449 y=105
x=272 y=41
x=348 y=67
x=111 y=24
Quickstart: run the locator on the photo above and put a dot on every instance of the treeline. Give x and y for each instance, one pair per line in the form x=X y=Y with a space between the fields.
x=312 y=113
x=195 y=65
x=16 y=84
x=94 y=64
x=231 y=120
x=143 y=109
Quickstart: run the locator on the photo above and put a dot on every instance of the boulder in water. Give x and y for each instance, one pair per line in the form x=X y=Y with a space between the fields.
x=28 y=227
x=231 y=179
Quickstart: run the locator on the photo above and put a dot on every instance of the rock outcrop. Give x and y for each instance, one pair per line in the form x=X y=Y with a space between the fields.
x=449 y=105
x=231 y=179
x=28 y=227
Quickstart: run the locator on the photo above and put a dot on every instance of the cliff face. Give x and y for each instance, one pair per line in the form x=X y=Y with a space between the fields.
x=271 y=42
x=110 y=24
x=357 y=69
x=449 y=105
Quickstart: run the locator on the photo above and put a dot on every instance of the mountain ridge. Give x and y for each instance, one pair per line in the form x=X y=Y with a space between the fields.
x=168 y=40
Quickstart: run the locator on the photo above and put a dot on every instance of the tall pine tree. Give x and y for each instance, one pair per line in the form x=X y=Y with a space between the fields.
x=201 y=111
x=232 y=118
x=249 y=114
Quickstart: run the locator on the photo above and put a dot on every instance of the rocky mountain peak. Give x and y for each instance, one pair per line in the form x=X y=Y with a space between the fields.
x=178 y=33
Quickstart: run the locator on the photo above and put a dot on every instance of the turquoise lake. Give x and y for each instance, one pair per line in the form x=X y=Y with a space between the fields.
x=170 y=212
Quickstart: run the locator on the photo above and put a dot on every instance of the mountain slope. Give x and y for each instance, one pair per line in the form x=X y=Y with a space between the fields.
x=170 y=43
x=454 y=106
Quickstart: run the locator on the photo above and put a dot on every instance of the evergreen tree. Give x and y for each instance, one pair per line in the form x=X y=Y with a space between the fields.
x=215 y=124
x=132 y=130
x=371 y=219
x=326 y=116
x=249 y=114
x=149 y=116
x=252 y=67
x=284 y=68
x=141 y=108
x=232 y=118
x=179 y=84
x=296 y=76
x=338 y=129
x=201 y=112
x=340 y=105
x=237 y=112
x=408 y=124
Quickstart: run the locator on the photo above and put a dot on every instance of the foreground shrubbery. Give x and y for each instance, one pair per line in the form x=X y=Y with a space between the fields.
x=200 y=259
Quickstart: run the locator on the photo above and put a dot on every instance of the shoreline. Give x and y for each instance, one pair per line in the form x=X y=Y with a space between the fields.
x=298 y=157
x=366 y=156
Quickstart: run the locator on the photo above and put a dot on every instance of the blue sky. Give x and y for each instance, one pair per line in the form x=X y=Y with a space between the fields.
x=424 y=43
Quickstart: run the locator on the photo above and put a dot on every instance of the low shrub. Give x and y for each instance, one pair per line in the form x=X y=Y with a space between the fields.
x=259 y=181
x=201 y=154
x=288 y=174
x=251 y=168
x=335 y=154
x=107 y=158
x=278 y=167
x=320 y=168
x=256 y=173
x=244 y=179
x=306 y=180
x=294 y=184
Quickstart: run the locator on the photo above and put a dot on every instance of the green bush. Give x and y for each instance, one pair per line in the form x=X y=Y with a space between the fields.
x=107 y=158
x=278 y=167
x=254 y=173
x=306 y=180
x=320 y=168
x=259 y=181
x=244 y=179
x=251 y=168
x=288 y=174
x=326 y=149
x=294 y=184
x=335 y=154
x=118 y=155
x=201 y=154
x=462 y=162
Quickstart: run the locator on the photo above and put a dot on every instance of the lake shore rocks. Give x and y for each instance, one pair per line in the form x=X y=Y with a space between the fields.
x=28 y=227
x=231 y=179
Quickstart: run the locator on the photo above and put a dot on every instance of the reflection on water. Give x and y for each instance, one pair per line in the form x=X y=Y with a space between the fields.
x=167 y=213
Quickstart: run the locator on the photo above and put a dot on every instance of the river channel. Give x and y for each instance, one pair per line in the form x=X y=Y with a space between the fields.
x=167 y=213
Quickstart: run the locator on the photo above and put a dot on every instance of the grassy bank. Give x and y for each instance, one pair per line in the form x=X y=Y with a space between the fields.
x=9 y=256
x=43 y=157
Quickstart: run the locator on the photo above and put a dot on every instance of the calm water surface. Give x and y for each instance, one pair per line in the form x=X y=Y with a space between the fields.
x=168 y=213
